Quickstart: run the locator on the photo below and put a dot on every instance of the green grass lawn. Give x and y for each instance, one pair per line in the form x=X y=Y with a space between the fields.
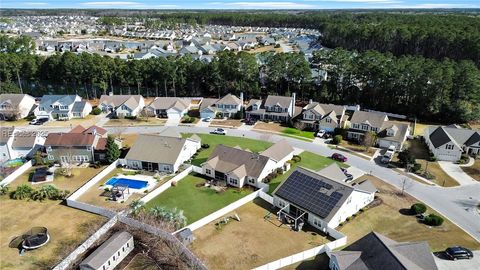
x=213 y=140
x=310 y=161
x=300 y=133
x=196 y=202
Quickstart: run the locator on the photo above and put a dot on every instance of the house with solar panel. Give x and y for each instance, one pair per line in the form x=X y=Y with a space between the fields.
x=321 y=199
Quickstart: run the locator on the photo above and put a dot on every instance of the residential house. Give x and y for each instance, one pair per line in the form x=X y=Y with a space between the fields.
x=78 y=145
x=122 y=105
x=389 y=133
x=19 y=144
x=207 y=108
x=450 y=142
x=161 y=153
x=275 y=108
x=16 y=106
x=62 y=107
x=6 y=138
x=110 y=253
x=321 y=198
x=376 y=251
x=318 y=116
x=236 y=167
x=229 y=105
x=169 y=107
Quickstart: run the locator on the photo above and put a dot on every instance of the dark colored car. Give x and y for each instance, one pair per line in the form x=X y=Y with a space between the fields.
x=339 y=157
x=457 y=252
x=39 y=121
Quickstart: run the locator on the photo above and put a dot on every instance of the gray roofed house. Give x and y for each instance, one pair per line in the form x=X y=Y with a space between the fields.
x=229 y=105
x=121 y=105
x=61 y=107
x=450 y=142
x=326 y=117
x=393 y=133
x=275 y=108
x=376 y=251
x=110 y=253
x=160 y=153
x=279 y=151
x=15 y=106
x=320 y=198
x=169 y=107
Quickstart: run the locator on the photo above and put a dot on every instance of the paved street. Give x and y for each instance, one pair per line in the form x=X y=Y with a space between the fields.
x=472 y=264
x=457 y=203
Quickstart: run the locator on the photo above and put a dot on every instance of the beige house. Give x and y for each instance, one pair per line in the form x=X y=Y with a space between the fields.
x=318 y=116
x=15 y=106
x=122 y=105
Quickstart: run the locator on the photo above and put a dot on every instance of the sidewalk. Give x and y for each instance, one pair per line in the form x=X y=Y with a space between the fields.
x=456 y=172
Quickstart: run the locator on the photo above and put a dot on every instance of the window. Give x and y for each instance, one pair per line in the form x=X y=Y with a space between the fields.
x=50 y=157
x=118 y=253
x=123 y=249
x=328 y=120
x=449 y=146
x=109 y=262
x=113 y=257
x=128 y=245
x=281 y=203
x=104 y=267
x=233 y=181
x=208 y=171
x=251 y=180
x=364 y=127
x=166 y=168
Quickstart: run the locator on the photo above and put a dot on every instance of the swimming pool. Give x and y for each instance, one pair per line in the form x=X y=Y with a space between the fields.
x=17 y=162
x=131 y=183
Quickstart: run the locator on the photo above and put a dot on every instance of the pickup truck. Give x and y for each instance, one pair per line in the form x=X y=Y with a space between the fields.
x=387 y=157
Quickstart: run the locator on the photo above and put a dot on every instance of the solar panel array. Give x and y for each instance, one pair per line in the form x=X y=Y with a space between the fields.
x=304 y=191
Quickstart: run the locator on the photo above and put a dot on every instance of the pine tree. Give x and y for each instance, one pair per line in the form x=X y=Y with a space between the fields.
x=112 y=150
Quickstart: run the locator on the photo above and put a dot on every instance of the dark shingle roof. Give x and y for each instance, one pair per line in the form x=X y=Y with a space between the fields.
x=439 y=137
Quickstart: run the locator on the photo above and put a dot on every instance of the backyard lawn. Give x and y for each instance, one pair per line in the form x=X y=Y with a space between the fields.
x=67 y=227
x=474 y=170
x=387 y=219
x=310 y=161
x=196 y=202
x=252 y=242
x=213 y=140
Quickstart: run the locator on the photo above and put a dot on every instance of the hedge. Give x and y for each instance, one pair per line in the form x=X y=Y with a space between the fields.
x=418 y=208
x=433 y=220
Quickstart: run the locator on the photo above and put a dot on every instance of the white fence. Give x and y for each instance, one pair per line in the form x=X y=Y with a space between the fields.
x=167 y=184
x=16 y=173
x=65 y=263
x=222 y=212
x=91 y=208
x=197 y=169
x=93 y=181
x=266 y=197
x=394 y=115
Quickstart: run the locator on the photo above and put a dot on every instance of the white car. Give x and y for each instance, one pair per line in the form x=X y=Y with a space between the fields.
x=387 y=157
x=321 y=133
x=207 y=119
x=219 y=131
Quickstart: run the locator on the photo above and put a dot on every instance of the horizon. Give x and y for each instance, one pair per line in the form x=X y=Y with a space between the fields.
x=244 y=5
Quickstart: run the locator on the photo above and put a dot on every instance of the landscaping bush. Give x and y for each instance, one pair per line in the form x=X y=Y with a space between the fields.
x=96 y=111
x=205 y=145
x=22 y=192
x=417 y=167
x=297 y=158
x=433 y=220
x=187 y=119
x=130 y=117
x=418 y=208
x=4 y=189
x=406 y=157
x=337 y=139
x=279 y=171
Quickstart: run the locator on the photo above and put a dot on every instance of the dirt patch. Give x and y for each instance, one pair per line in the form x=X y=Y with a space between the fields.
x=276 y=127
x=228 y=123
x=474 y=170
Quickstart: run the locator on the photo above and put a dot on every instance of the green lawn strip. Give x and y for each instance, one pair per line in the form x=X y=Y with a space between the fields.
x=310 y=161
x=300 y=133
x=196 y=202
x=213 y=140
x=296 y=137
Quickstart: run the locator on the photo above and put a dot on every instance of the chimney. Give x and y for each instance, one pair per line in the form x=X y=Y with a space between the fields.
x=294 y=95
x=310 y=101
x=241 y=97
x=110 y=93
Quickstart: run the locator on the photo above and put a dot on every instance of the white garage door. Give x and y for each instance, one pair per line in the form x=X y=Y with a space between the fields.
x=174 y=116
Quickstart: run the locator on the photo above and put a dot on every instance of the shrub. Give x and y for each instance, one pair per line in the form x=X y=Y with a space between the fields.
x=418 y=208
x=297 y=158
x=337 y=139
x=205 y=145
x=188 y=119
x=279 y=171
x=130 y=117
x=22 y=192
x=433 y=220
x=96 y=111
x=406 y=157
x=417 y=167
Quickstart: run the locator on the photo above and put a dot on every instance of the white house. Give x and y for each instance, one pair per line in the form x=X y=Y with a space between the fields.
x=19 y=144
x=321 y=198
x=110 y=253
x=229 y=105
x=169 y=107
x=15 y=106
x=161 y=153
x=450 y=142
x=318 y=116
x=122 y=105
x=236 y=167
x=62 y=107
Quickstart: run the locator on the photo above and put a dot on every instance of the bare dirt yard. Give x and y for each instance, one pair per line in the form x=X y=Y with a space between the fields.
x=276 y=127
x=253 y=241
x=227 y=123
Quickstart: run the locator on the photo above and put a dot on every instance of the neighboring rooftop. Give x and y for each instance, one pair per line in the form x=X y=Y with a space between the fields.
x=106 y=250
x=373 y=119
x=156 y=148
x=460 y=136
x=283 y=101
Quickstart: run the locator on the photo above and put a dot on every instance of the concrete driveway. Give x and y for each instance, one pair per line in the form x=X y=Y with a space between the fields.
x=445 y=264
x=456 y=172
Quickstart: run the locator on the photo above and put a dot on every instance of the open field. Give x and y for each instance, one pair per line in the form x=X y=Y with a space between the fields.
x=67 y=227
x=228 y=123
x=253 y=241
x=310 y=161
x=389 y=219
x=80 y=177
x=196 y=202
x=474 y=170
x=420 y=151
x=213 y=140
x=136 y=122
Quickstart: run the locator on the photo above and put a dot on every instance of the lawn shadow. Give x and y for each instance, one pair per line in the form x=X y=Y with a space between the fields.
x=406 y=212
x=198 y=161
x=319 y=262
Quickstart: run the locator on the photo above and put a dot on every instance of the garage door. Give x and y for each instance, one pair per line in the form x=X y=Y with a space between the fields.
x=205 y=115
x=174 y=116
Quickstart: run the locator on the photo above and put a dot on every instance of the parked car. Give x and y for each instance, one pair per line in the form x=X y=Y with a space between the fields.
x=219 y=131
x=321 y=133
x=387 y=157
x=207 y=119
x=339 y=157
x=349 y=177
x=458 y=252
x=38 y=121
x=250 y=122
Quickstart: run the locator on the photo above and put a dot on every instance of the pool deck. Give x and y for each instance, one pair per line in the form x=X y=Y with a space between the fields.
x=149 y=179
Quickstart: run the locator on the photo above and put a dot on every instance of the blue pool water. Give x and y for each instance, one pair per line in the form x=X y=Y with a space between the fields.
x=135 y=184
x=13 y=163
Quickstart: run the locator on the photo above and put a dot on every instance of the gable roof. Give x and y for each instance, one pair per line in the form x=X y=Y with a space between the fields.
x=207 y=102
x=374 y=119
x=24 y=139
x=278 y=151
x=400 y=129
x=380 y=252
x=118 y=100
x=227 y=159
x=106 y=250
x=333 y=172
x=230 y=99
x=165 y=103
x=156 y=148
x=78 y=136
x=79 y=106
x=459 y=136
x=284 y=102
x=62 y=99
x=13 y=99
x=326 y=109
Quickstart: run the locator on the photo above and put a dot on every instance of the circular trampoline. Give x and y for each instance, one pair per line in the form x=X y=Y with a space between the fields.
x=33 y=239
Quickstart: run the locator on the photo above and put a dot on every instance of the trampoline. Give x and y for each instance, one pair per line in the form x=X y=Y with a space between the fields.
x=33 y=239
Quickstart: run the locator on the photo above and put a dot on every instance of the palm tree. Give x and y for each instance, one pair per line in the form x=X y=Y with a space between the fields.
x=136 y=206
x=22 y=192
x=4 y=189
x=46 y=192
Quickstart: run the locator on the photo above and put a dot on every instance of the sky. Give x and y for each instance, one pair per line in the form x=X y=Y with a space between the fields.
x=239 y=4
